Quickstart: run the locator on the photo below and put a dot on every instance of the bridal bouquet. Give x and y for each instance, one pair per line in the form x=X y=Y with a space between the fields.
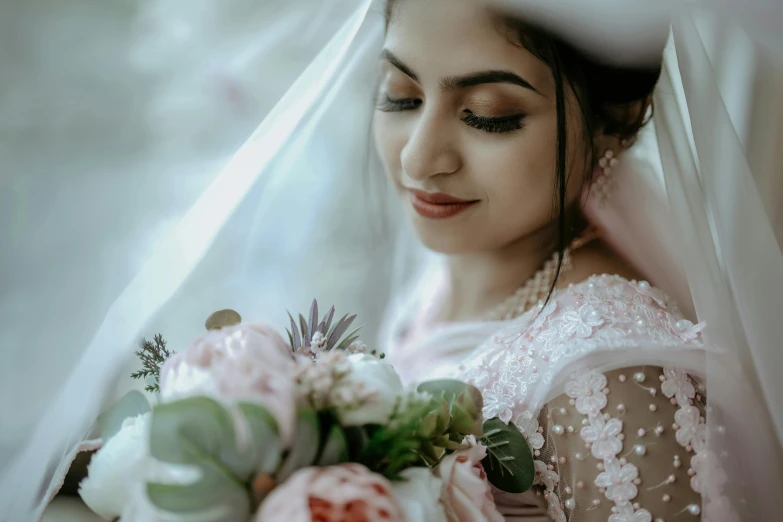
x=249 y=427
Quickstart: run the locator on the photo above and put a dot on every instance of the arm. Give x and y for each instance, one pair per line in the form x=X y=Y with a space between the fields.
x=613 y=441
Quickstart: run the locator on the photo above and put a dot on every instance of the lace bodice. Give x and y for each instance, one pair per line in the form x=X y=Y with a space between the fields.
x=618 y=434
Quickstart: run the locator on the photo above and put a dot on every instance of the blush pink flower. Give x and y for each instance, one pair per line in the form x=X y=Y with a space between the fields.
x=247 y=362
x=344 y=493
x=465 y=492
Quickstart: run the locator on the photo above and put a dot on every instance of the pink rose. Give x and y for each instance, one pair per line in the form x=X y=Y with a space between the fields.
x=247 y=362
x=344 y=493
x=465 y=491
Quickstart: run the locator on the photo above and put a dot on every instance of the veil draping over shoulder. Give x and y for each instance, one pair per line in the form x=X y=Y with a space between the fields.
x=301 y=210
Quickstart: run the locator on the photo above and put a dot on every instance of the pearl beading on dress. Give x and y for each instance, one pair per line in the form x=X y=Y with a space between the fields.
x=603 y=184
x=618 y=480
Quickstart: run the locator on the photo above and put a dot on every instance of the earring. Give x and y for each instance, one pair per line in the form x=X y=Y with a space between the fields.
x=604 y=182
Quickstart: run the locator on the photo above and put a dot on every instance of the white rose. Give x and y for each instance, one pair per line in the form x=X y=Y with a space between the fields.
x=419 y=496
x=115 y=467
x=185 y=381
x=375 y=376
x=121 y=468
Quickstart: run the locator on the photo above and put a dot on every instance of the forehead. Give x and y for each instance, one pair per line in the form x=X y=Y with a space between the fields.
x=439 y=38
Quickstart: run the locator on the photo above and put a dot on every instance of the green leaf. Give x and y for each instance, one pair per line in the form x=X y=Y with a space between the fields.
x=335 y=449
x=431 y=453
x=464 y=401
x=199 y=432
x=131 y=404
x=305 y=445
x=265 y=443
x=357 y=440
x=207 y=503
x=509 y=461
x=429 y=425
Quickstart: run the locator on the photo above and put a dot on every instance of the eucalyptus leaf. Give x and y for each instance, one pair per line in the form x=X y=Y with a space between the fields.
x=205 y=502
x=335 y=450
x=265 y=443
x=110 y=422
x=199 y=432
x=509 y=461
x=305 y=445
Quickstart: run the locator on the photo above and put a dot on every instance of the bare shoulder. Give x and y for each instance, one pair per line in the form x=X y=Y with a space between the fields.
x=597 y=258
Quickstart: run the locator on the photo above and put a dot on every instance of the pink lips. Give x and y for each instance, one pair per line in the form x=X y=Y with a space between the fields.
x=438 y=205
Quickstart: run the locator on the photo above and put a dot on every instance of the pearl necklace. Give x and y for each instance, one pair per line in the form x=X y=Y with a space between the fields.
x=534 y=290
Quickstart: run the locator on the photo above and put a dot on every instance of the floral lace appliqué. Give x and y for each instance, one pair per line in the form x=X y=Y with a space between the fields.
x=692 y=431
x=588 y=390
x=708 y=478
x=618 y=480
x=626 y=513
x=677 y=384
x=603 y=437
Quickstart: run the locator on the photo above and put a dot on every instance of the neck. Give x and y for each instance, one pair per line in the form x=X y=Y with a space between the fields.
x=480 y=281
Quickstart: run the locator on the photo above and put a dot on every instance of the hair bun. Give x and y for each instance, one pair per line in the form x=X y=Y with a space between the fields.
x=622 y=85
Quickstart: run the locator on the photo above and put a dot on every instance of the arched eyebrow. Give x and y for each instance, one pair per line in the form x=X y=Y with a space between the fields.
x=463 y=82
x=392 y=59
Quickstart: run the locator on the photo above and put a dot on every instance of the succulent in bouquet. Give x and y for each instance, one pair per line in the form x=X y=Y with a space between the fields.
x=249 y=427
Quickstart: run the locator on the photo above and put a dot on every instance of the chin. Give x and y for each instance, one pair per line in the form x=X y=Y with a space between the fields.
x=444 y=238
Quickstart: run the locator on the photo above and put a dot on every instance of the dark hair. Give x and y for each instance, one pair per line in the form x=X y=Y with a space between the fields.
x=616 y=100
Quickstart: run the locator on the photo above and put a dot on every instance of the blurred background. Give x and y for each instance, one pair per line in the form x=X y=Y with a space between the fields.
x=99 y=103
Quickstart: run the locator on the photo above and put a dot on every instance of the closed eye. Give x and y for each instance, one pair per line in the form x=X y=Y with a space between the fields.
x=494 y=125
x=389 y=104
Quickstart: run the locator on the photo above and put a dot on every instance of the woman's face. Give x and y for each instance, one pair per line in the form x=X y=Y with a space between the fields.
x=466 y=127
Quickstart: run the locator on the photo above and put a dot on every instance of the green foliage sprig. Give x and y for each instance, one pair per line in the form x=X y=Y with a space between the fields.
x=153 y=355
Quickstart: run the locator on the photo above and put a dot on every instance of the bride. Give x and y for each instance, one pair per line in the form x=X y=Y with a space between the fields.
x=585 y=264
x=494 y=134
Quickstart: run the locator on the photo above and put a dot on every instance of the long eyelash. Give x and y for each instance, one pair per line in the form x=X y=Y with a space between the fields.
x=388 y=104
x=494 y=125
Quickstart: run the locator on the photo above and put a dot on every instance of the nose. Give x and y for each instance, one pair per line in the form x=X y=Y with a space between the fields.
x=431 y=149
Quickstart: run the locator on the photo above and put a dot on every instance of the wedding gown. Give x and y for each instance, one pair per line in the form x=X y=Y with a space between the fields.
x=615 y=436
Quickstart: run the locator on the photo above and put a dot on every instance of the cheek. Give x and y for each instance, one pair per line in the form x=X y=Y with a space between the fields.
x=518 y=175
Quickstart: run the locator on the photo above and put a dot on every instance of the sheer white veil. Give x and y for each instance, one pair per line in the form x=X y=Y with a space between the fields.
x=300 y=211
